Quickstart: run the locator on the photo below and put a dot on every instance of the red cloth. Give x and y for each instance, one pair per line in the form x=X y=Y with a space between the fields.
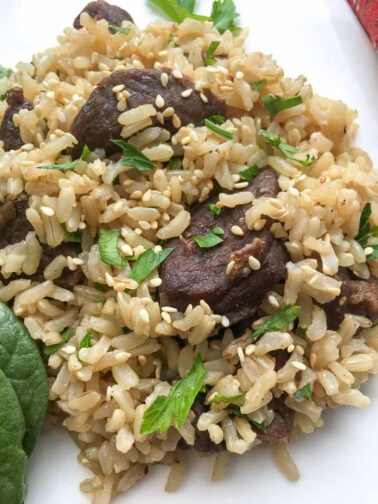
x=367 y=12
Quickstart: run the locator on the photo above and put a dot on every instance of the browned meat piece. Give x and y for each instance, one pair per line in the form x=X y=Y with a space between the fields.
x=358 y=297
x=97 y=122
x=282 y=423
x=202 y=443
x=9 y=133
x=281 y=356
x=14 y=226
x=102 y=10
x=191 y=273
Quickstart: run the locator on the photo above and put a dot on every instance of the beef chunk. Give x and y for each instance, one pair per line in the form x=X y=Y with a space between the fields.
x=102 y=10
x=358 y=297
x=202 y=443
x=9 y=133
x=282 y=423
x=14 y=226
x=191 y=273
x=97 y=122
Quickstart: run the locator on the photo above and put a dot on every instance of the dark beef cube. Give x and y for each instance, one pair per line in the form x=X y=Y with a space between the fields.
x=282 y=423
x=14 y=226
x=191 y=273
x=202 y=443
x=358 y=297
x=97 y=122
x=9 y=133
x=102 y=10
x=281 y=357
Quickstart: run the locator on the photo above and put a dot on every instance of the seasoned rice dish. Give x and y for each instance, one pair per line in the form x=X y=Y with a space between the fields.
x=188 y=249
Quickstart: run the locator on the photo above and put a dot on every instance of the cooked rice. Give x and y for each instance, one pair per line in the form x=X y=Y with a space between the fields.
x=103 y=391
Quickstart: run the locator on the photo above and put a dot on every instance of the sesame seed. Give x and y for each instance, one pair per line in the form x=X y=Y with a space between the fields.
x=144 y=316
x=204 y=98
x=77 y=261
x=119 y=286
x=138 y=231
x=273 y=301
x=160 y=118
x=241 y=354
x=177 y=74
x=254 y=263
x=298 y=348
x=230 y=267
x=239 y=75
x=109 y=279
x=259 y=224
x=168 y=112
x=225 y=322
x=126 y=249
x=121 y=105
x=169 y=309
x=118 y=88
x=166 y=317
x=368 y=251
x=159 y=102
x=164 y=79
x=49 y=212
x=290 y=348
x=176 y=121
x=241 y=185
x=130 y=283
x=144 y=225
x=187 y=93
x=156 y=282
x=69 y=349
x=250 y=349
x=142 y=359
x=299 y=365
x=185 y=140
x=237 y=231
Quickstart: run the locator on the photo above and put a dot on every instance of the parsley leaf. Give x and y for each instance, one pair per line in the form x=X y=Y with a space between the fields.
x=214 y=210
x=366 y=230
x=237 y=400
x=133 y=157
x=86 y=341
x=304 y=392
x=250 y=173
x=174 y=408
x=217 y=129
x=52 y=349
x=217 y=118
x=178 y=10
x=120 y=29
x=3 y=97
x=259 y=85
x=286 y=149
x=374 y=253
x=211 y=239
x=236 y=411
x=72 y=164
x=224 y=15
x=174 y=163
x=209 y=56
x=277 y=322
x=147 y=262
x=274 y=103
x=5 y=72
x=108 y=247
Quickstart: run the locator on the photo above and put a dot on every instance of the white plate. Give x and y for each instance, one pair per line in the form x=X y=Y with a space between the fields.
x=323 y=40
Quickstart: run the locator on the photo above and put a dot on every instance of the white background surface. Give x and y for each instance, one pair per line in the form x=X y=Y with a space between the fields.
x=323 y=40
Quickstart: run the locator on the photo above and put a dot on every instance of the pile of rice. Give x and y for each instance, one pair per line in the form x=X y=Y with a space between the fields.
x=103 y=392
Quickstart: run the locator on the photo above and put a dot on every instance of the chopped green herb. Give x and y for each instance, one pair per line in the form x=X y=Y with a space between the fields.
x=5 y=72
x=211 y=239
x=217 y=119
x=108 y=247
x=259 y=425
x=174 y=163
x=209 y=56
x=304 y=392
x=277 y=322
x=72 y=236
x=133 y=157
x=187 y=4
x=72 y=164
x=236 y=411
x=237 y=400
x=286 y=149
x=250 y=173
x=174 y=408
x=178 y=9
x=214 y=210
x=217 y=129
x=52 y=349
x=2 y=97
x=223 y=15
x=100 y=287
x=366 y=230
x=274 y=103
x=120 y=29
x=86 y=341
x=147 y=262
x=259 y=85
